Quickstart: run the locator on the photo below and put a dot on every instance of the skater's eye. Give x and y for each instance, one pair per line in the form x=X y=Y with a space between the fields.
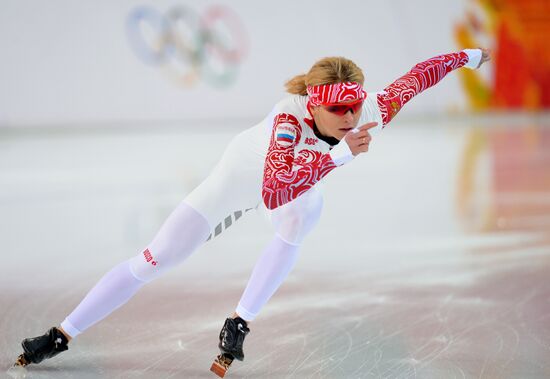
x=338 y=109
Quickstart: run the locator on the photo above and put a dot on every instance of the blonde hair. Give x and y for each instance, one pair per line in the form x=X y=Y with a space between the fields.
x=328 y=70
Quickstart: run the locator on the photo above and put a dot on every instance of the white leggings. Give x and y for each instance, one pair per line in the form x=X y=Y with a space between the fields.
x=190 y=225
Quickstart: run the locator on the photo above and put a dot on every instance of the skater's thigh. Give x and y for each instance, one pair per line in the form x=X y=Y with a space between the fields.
x=233 y=186
x=296 y=219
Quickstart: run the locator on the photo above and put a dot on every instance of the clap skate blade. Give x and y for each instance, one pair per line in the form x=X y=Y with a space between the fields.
x=21 y=361
x=221 y=364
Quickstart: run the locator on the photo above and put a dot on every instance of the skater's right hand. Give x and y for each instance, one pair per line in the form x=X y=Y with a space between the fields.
x=358 y=139
x=355 y=142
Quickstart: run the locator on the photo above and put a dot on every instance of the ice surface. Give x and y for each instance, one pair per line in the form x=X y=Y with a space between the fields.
x=404 y=278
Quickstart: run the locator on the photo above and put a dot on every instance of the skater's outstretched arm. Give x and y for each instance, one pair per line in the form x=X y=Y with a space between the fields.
x=425 y=75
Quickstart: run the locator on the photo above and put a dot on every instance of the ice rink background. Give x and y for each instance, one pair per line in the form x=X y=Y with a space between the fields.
x=395 y=282
x=432 y=256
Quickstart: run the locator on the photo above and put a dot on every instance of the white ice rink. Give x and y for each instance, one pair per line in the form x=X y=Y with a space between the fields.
x=431 y=260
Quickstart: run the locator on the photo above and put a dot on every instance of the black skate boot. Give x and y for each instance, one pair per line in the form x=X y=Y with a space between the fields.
x=42 y=347
x=231 y=345
x=232 y=337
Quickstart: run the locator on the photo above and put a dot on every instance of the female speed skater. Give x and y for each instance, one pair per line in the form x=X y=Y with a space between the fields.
x=323 y=124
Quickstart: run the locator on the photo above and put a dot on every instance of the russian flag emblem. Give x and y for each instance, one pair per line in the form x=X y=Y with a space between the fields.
x=285 y=134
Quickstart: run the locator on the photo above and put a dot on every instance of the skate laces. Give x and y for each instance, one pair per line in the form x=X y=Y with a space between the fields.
x=243 y=329
x=233 y=332
x=59 y=340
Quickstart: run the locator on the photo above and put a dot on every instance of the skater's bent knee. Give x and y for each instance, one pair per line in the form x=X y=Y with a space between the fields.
x=295 y=220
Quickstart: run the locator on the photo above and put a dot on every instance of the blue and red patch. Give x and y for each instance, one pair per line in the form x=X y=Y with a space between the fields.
x=285 y=135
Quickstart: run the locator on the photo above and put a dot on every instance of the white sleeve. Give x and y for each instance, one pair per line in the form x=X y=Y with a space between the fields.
x=474 y=57
x=341 y=153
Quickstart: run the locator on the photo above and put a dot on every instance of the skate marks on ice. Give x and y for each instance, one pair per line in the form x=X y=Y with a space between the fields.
x=486 y=317
x=17 y=372
x=495 y=327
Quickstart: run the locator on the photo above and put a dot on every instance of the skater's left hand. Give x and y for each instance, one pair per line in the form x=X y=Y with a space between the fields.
x=485 y=56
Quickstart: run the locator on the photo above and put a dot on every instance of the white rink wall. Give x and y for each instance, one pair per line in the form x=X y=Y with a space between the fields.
x=66 y=63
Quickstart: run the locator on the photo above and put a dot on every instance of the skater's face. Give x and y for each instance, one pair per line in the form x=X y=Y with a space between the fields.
x=335 y=120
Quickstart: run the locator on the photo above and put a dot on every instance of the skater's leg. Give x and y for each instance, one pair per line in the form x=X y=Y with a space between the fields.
x=231 y=188
x=272 y=268
x=114 y=289
x=181 y=234
x=184 y=231
x=292 y=223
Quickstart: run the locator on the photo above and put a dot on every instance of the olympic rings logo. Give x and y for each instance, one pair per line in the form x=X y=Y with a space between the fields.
x=188 y=46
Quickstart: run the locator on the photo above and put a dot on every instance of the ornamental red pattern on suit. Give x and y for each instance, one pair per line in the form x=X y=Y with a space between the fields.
x=282 y=184
x=422 y=76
